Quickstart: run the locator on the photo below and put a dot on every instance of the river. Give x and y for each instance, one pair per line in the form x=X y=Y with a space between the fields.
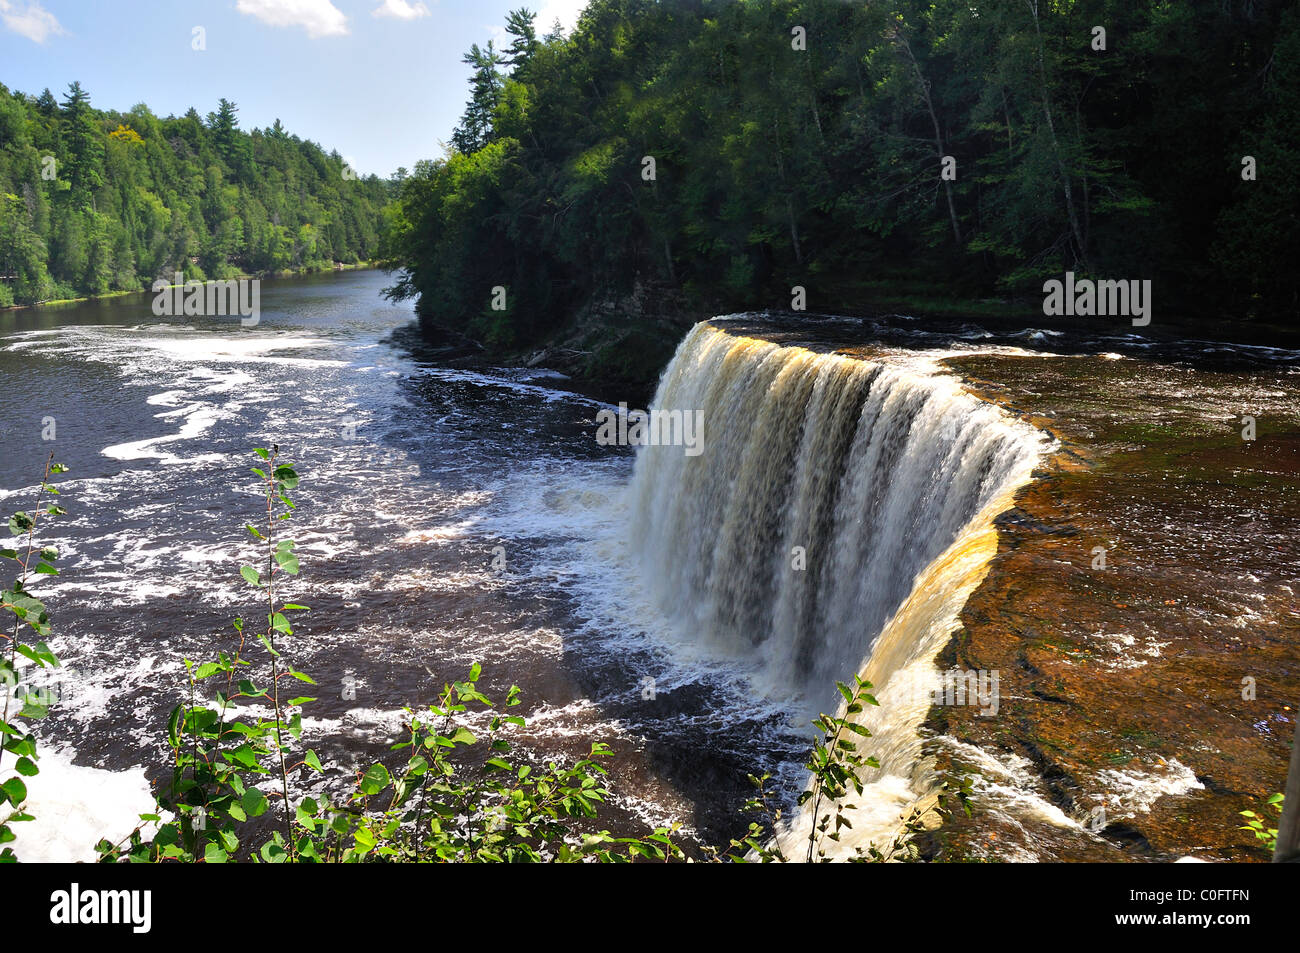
x=453 y=512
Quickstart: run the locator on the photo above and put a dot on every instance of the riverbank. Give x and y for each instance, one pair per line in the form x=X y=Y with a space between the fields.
x=242 y=276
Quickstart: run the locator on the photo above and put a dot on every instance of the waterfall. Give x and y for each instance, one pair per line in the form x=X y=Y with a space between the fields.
x=840 y=514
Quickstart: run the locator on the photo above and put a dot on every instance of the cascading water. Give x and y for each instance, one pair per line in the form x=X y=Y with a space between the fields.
x=836 y=521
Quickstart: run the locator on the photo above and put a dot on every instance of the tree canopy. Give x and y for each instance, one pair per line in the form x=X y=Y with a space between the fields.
x=731 y=149
x=94 y=201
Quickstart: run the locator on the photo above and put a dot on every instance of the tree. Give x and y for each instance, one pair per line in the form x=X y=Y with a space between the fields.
x=85 y=145
x=475 y=129
x=519 y=25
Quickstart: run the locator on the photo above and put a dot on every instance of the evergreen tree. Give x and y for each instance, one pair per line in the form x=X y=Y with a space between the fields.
x=519 y=25
x=475 y=129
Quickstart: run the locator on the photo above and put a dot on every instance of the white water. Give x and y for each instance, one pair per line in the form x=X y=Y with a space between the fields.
x=74 y=807
x=886 y=476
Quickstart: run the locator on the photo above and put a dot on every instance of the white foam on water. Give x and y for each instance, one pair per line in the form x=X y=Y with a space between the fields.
x=1007 y=784
x=238 y=348
x=1136 y=791
x=75 y=807
x=199 y=419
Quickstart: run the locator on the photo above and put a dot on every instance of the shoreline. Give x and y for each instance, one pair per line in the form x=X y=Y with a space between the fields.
x=368 y=265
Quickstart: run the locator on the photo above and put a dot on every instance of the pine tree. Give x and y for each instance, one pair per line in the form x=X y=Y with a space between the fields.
x=475 y=129
x=519 y=24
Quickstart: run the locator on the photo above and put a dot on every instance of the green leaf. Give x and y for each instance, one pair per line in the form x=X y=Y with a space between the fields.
x=254 y=802
x=288 y=562
x=34 y=707
x=375 y=780
x=174 y=727
x=26 y=767
x=245 y=756
x=15 y=791
x=251 y=574
x=364 y=839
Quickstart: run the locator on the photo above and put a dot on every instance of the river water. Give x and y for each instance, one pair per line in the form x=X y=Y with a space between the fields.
x=445 y=516
x=452 y=512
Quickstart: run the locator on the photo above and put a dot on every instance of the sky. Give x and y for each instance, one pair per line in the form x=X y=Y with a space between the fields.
x=381 y=81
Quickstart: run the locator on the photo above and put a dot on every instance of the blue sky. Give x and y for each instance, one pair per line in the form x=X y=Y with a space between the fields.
x=379 y=80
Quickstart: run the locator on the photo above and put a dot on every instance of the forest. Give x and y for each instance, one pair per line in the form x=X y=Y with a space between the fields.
x=93 y=202
x=718 y=153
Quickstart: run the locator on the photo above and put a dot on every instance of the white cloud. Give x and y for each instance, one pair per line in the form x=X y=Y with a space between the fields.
x=566 y=11
x=317 y=17
x=30 y=20
x=400 y=10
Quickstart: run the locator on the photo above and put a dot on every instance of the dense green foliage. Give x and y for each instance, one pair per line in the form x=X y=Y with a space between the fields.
x=777 y=166
x=94 y=201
